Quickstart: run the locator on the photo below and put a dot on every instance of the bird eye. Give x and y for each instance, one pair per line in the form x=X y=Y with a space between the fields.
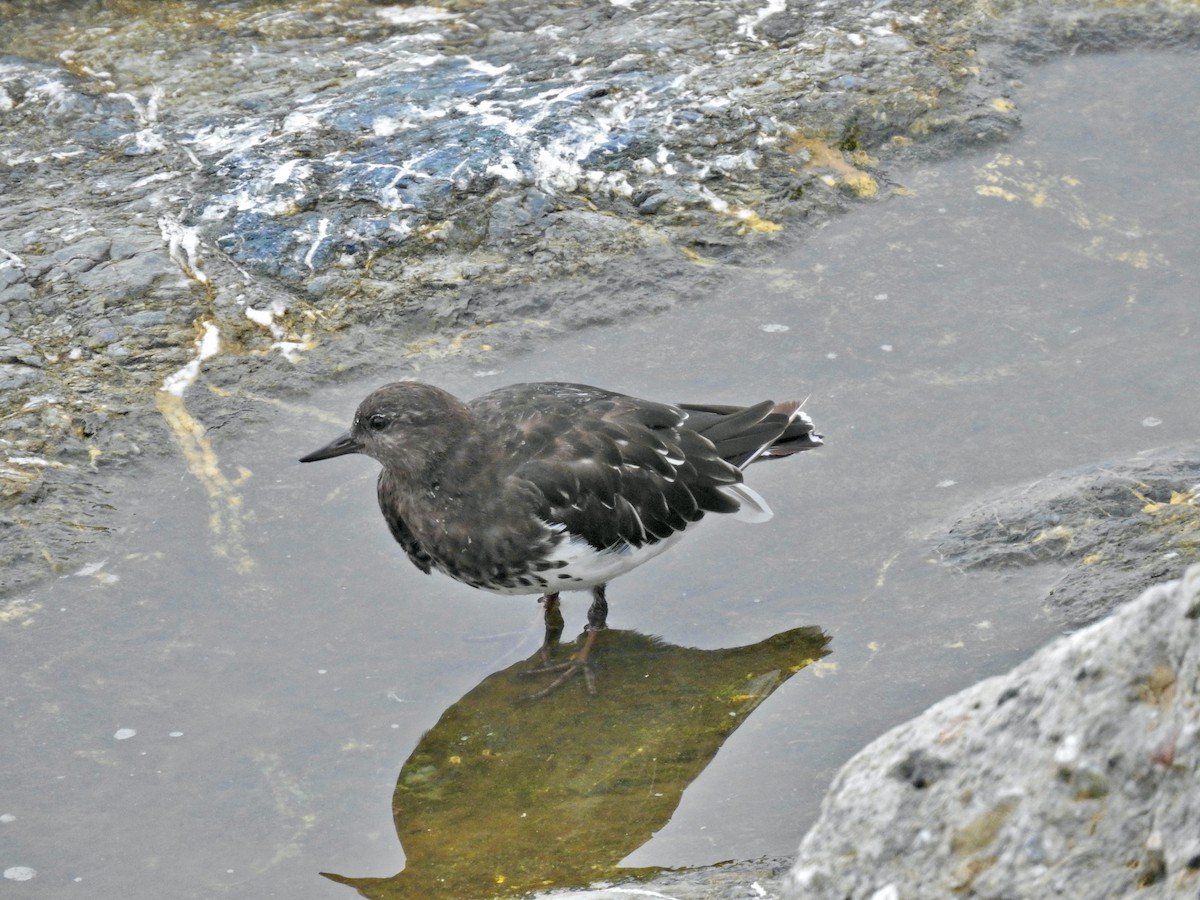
x=377 y=422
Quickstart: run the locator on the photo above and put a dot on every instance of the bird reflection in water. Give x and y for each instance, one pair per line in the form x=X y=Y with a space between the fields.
x=503 y=797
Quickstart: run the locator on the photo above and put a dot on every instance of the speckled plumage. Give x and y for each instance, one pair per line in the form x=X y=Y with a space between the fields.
x=537 y=488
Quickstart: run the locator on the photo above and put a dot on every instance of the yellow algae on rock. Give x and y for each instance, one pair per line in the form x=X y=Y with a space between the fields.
x=822 y=155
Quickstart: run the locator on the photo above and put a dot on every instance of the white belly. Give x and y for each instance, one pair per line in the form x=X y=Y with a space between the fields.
x=587 y=567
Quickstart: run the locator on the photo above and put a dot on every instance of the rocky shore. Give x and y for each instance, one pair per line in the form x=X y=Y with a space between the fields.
x=1074 y=775
x=212 y=208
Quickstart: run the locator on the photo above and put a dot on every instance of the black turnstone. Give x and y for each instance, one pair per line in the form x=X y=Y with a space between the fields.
x=548 y=487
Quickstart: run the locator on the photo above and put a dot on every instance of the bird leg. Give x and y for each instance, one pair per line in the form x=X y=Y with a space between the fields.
x=598 y=611
x=597 y=622
x=554 y=625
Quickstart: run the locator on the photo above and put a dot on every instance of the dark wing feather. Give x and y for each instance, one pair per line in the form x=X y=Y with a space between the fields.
x=612 y=469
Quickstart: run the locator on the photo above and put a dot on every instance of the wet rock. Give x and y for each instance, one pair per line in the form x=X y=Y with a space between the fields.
x=80 y=256
x=127 y=278
x=13 y=376
x=14 y=350
x=516 y=218
x=1120 y=526
x=148 y=317
x=653 y=198
x=1073 y=775
x=318 y=287
x=17 y=294
x=102 y=333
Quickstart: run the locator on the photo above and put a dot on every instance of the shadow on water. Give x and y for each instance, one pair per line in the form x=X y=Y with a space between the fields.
x=504 y=796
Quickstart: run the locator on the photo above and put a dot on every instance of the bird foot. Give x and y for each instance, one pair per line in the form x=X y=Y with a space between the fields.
x=577 y=664
x=565 y=671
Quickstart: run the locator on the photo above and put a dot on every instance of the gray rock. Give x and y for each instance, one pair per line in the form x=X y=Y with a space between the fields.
x=1074 y=775
x=16 y=293
x=126 y=278
x=103 y=333
x=17 y=376
x=15 y=350
x=1120 y=525
x=82 y=255
x=148 y=317
x=319 y=286
x=10 y=275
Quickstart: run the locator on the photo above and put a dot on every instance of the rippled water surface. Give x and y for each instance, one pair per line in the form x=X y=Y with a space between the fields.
x=224 y=700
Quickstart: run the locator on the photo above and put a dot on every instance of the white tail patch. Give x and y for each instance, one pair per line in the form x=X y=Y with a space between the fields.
x=752 y=507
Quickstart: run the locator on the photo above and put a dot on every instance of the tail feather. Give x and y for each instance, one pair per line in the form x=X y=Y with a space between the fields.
x=743 y=435
x=797 y=436
x=752 y=507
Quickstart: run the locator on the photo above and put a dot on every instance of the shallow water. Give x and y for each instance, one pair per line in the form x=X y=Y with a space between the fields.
x=1027 y=309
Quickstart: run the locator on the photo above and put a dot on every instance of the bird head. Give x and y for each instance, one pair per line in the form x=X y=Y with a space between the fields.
x=407 y=426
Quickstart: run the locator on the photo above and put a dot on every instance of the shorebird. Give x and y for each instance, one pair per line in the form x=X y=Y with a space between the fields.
x=548 y=487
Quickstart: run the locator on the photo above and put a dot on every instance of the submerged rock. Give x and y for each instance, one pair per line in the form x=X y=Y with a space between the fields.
x=1120 y=526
